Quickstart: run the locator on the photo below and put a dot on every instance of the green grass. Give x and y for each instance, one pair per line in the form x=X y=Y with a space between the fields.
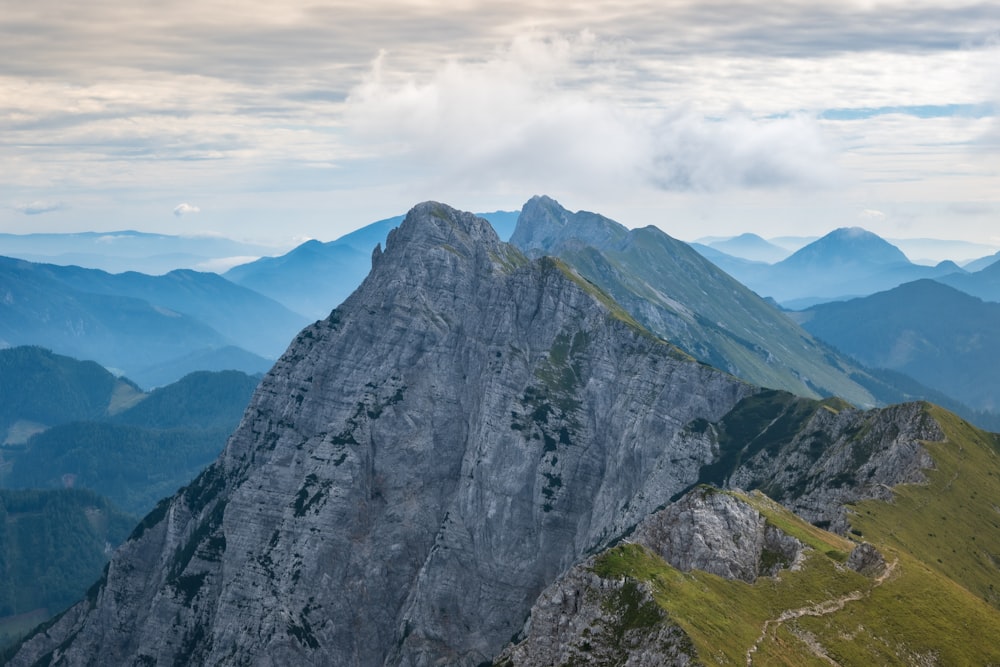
x=723 y=617
x=952 y=523
x=836 y=547
x=938 y=605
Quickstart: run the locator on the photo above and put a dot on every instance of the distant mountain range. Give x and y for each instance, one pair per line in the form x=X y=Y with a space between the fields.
x=845 y=263
x=681 y=296
x=129 y=250
x=66 y=423
x=147 y=327
x=944 y=338
x=83 y=455
x=752 y=247
x=972 y=256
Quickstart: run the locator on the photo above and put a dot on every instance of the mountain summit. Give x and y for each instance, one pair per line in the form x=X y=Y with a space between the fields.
x=412 y=472
x=461 y=444
x=844 y=247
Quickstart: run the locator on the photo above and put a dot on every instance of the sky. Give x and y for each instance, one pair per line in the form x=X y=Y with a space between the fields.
x=279 y=122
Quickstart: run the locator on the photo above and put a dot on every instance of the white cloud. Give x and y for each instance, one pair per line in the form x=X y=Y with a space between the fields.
x=39 y=207
x=185 y=209
x=526 y=117
x=871 y=214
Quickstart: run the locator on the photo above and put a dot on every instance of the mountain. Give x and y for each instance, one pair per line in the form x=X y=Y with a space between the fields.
x=128 y=250
x=41 y=389
x=679 y=295
x=847 y=248
x=470 y=427
x=846 y=262
x=982 y=262
x=984 y=283
x=438 y=420
x=252 y=321
x=330 y=270
x=53 y=545
x=224 y=358
x=752 y=247
x=130 y=447
x=938 y=335
x=132 y=321
x=932 y=251
x=733 y=578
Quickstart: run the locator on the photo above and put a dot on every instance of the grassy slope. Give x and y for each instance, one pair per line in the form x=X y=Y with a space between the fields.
x=735 y=329
x=952 y=523
x=939 y=604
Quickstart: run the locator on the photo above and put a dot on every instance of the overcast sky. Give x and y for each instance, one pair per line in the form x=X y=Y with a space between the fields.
x=292 y=120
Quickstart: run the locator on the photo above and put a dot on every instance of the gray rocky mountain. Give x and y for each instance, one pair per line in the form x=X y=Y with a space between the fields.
x=420 y=466
x=412 y=473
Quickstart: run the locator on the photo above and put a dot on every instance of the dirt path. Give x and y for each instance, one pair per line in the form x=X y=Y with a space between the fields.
x=820 y=609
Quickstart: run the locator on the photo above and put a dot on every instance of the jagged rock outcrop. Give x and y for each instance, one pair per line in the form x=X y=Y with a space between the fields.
x=718 y=533
x=836 y=456
x=867 y=560
x=412 y=472
x=584 y=619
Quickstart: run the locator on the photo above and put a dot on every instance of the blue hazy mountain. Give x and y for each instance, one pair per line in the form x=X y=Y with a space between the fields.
x=132 y=322
x=734 y=266
x=243 y=317
x=981 y=263
x=315 y=277
x=984 y=283
x=751 y=246
x=66 y=422
x=41 y=389
x=942 y=337
x=847 y=262
x=126 y=250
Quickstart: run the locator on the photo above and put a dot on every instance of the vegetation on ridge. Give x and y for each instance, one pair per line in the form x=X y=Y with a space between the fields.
x=937 y=600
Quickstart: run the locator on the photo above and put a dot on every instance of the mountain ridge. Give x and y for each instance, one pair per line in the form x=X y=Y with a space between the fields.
x=467 y=427
x=686 y=299
x=313 y=426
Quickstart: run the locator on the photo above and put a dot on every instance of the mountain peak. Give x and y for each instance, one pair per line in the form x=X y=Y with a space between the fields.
x=435 y=225
x=848 y=245
x=545 y=224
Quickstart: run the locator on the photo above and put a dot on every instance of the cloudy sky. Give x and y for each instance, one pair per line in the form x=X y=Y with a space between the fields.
x=283 y=121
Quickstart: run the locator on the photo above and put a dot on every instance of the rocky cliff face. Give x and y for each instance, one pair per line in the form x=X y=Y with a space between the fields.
x=419 y=467
x=815 y=459
x=585 y=619
x=412 y=472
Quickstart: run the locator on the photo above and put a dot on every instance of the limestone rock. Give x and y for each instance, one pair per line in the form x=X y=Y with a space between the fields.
x=718 y=533
x=411 y=474
x=583 y=619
